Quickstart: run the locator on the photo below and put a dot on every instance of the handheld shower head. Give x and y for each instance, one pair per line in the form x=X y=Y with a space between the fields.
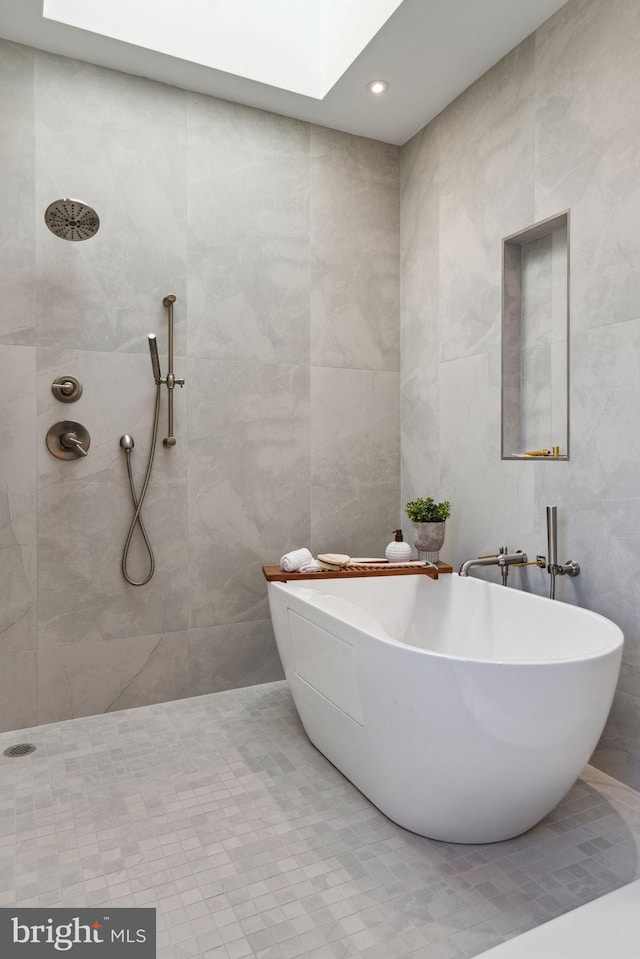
x=72 y=219
x=155 y=360
x=126 y=442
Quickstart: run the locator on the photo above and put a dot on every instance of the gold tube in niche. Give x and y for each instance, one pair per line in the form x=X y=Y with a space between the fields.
x=556 y=450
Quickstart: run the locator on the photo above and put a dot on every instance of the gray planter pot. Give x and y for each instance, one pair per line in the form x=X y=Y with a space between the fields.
x=428 y=537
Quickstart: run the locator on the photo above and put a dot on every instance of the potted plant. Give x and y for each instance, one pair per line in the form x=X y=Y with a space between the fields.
x=428 y=519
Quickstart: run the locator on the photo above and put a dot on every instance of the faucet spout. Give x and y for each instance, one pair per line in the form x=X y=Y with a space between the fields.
x=503 y=560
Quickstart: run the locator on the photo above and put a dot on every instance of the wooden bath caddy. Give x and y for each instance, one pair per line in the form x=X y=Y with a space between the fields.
x=275 y=575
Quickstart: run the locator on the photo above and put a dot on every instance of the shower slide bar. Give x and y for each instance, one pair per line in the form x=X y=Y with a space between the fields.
x=127 y=444
x=170 y=379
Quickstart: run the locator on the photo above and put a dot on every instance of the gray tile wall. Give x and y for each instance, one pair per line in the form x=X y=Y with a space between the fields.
x=280 y=241
x=554 y=125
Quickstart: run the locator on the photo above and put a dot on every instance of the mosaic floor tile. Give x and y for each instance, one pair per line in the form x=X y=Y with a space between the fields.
x=220 y=813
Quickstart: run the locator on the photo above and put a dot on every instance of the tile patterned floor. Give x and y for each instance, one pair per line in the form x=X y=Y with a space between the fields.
x=219 y=812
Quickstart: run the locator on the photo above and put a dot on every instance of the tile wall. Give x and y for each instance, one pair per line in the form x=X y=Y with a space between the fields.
x=280 y=241
x=554 y=126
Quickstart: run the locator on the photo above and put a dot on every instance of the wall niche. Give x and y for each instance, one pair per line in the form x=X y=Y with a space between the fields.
x=535 y=342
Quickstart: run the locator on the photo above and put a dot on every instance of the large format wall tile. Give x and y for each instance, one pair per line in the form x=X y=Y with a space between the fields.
x=420 y=436
x=86 y=679
x=420 y=250
x=18 y=690
x=85 y=506
x=18 y=505
x=222 y=202
x=486 y=174
x=248 y=482
x=18 y=533
x=118 y=143
x=355 y=455
x=17 y=159
x=226 y=657
x=248 y=236
x=459 y=199
x=587 y=133
x=355 y=217
x=487 y=503
x=597 y=491
x=617 y=751
x=554 y=126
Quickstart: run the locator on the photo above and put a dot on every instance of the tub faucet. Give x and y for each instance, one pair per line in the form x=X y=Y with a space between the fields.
x=504 y=559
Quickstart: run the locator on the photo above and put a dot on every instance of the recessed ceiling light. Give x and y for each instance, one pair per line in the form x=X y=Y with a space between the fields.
x=378 y=87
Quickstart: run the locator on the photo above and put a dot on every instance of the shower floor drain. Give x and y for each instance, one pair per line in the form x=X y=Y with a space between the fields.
x=20 y=749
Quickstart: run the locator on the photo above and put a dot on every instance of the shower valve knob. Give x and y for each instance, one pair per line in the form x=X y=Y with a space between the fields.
x=67 y=389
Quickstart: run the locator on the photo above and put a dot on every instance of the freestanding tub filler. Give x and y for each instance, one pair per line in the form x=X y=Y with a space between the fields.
x=463 y=710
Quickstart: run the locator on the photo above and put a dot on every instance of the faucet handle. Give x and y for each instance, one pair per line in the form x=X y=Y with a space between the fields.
x=540 y=561
x=68 y=440
x=72 y=442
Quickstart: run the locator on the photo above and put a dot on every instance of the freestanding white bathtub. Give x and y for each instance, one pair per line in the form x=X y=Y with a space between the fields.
x=463 y=710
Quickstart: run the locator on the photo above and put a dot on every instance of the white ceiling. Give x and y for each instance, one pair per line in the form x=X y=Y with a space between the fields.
x=428 y=50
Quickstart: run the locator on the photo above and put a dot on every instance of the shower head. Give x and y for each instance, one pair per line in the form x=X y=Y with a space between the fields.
x=155 y=360
x=126 y=442
x=72 y=219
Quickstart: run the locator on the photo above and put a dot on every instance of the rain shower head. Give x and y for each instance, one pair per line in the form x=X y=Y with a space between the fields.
x=72 y=219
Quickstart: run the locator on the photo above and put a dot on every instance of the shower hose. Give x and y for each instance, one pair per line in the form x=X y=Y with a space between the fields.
x=138 y=502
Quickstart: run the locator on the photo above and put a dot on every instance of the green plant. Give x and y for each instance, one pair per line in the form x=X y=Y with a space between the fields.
x=427 y=511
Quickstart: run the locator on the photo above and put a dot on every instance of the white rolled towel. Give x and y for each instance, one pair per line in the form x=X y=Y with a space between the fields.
x=295 y=560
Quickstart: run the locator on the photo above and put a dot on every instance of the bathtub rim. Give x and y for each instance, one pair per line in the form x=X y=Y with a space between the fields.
x=614 y=643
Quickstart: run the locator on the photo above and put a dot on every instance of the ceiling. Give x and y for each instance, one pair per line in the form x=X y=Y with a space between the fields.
x=428 y=50
x=301 y=47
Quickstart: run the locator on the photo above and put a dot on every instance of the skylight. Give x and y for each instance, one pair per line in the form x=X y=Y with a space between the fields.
x=303 y=46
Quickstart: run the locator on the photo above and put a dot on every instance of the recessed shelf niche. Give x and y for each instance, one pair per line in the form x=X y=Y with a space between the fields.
x=535 y=342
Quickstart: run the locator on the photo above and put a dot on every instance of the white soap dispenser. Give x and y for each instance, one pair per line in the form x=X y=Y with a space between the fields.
x=398 y=551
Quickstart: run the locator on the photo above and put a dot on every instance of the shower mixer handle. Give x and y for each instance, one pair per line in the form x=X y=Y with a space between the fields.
x=68 y=440
x=71 y=442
